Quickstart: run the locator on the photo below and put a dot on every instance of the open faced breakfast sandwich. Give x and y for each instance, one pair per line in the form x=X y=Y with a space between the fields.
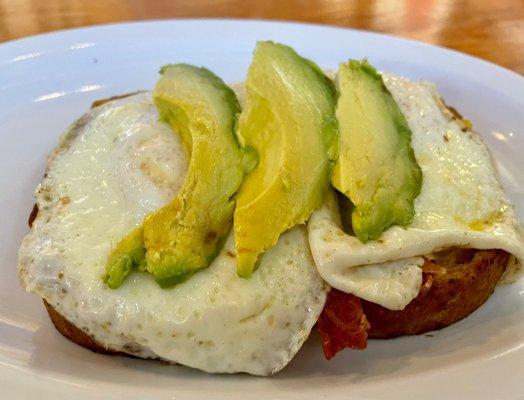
x=214 y=227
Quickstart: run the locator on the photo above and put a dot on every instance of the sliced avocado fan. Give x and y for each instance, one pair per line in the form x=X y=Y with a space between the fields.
x=376 y=169
x=289 y=119
x=185 y=236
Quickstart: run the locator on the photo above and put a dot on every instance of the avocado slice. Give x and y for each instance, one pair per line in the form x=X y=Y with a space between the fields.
x=128 y=255
x=289 y=119
x=376 y=170
x=186 y=235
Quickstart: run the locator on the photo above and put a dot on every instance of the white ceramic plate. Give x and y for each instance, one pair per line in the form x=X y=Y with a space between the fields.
x=47 y=81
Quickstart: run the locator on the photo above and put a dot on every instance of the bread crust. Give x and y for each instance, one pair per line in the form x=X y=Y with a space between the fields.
x=456 y=282
x=101 y=102
x=75 y=334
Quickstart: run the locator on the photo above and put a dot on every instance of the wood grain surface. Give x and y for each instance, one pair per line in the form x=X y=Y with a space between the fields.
x=490 y=29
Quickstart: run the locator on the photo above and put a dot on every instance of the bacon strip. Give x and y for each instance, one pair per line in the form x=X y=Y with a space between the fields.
x=342 y=324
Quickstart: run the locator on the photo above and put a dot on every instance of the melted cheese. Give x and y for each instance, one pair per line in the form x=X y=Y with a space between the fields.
x=461 y=204
x=114 y=166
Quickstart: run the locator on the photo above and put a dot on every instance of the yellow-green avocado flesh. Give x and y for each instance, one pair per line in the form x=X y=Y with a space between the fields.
x=289 y=119
x=376 y=168
x=185 y=236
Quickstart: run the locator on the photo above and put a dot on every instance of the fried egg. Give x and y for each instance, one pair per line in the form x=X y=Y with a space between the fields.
x=114 y=166
x=461 y=204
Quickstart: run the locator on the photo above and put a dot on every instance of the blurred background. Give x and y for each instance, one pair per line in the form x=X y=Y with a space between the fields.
x=490 y=29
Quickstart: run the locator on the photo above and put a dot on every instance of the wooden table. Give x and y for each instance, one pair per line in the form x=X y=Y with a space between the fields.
x=491 y=29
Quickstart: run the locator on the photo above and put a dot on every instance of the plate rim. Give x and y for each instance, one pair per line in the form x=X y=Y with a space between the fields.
x=143 y=25
x=245 y=21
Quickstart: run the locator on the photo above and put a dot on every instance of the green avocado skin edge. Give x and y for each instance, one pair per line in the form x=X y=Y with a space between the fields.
x=376 y=170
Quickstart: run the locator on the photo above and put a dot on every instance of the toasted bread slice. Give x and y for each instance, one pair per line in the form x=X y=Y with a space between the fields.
x=75 y=334
x=456 y=282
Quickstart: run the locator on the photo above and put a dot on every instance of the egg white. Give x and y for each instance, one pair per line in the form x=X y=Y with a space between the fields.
x=461 y=204
x=115 y=165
